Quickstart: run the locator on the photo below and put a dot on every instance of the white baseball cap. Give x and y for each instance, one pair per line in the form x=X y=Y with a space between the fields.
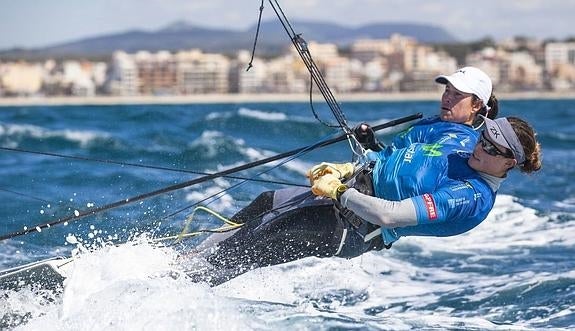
x=470 y=80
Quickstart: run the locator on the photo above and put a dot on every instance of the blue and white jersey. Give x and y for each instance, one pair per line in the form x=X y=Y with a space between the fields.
x=433 y=130
x=450 y=197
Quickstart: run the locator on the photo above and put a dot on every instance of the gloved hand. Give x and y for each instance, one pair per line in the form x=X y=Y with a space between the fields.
x=329 y=186
x=340 y=170
x=366 y=137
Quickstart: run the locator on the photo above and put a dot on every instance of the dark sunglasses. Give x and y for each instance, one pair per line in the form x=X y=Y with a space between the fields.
x=490 y=149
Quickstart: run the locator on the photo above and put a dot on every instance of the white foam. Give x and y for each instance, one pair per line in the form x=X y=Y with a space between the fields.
x=134 y=287
x=130 y=286
x=262 y=115
x=81 y=137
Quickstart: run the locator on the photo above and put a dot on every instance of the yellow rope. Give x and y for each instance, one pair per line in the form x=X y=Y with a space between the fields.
x=185 y=234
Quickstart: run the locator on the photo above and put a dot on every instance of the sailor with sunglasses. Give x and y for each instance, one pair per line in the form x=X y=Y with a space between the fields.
x=427 y=190
x=420 y=190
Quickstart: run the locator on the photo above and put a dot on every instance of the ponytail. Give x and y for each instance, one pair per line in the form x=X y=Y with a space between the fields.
x=492 y=113
x=531 y=146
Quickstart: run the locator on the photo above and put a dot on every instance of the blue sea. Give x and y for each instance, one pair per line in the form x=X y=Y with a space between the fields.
x=515 y=271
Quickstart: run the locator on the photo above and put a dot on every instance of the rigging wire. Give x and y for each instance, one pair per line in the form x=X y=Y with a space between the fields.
x=81 y=158
x=81 y=214
x=25 y=195
x=302 y=48
x=250 y=65
x=313 y=111
x=218 y=195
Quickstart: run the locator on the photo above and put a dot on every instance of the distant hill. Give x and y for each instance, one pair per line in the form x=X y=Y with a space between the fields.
x=181 y=35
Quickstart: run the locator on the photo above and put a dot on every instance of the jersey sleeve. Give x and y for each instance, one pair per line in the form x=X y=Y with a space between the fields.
x=451 y=203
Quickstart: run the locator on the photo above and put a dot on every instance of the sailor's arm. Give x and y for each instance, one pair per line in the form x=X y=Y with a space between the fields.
x=385 y=213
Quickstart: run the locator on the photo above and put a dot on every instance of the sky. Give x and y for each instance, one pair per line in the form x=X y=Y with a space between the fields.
x=38 y=23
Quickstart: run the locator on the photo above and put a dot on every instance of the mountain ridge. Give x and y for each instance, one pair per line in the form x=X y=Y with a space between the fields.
x=272 y=39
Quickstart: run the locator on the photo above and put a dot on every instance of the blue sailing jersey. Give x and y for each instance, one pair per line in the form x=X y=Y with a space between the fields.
x=450 y=197
x=434 y=130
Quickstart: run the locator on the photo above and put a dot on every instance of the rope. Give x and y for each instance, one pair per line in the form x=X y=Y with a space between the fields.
x=250 y=65
x=81 y=214
x=218 y=195
x=231 y=225
x=302 y=48
x=81 y=158
x=25 y=195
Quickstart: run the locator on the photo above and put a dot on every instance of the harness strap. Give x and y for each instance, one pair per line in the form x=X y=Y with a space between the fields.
x=342 y=242
x=372 y=234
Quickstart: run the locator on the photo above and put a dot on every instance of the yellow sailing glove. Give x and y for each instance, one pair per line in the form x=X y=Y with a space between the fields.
x=329 y=186
x=340 y=170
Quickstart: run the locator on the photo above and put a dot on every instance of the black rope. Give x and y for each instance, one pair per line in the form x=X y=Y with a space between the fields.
x=250 y=65
x=81 y=158
x=25 y=195
x=302 y=48
x=81 y=214
x=313 y=109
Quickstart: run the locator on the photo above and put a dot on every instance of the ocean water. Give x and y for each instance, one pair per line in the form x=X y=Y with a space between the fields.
x=514 y=272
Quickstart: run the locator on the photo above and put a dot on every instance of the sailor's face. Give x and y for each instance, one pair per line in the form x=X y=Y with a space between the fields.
x=456 y=106
x=485 y=159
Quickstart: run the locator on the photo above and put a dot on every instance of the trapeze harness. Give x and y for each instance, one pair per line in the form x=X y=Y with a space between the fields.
x=358 y=235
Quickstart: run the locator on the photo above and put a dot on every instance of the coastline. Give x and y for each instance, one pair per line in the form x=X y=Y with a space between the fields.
x=256 y=98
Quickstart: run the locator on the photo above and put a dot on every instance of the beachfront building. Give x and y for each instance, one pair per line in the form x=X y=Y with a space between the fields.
x=20 y=78
x=560 y=65
x=198 y=72
x=422 y=65
x=156 y=73
x=163 y=73
x=404 y=64
x=509 y=71
x=243 y=80
x=523 y=73
x=341 y=74
x=286 y=74
x=75 y=78
x=123 y=80
x=488 y=60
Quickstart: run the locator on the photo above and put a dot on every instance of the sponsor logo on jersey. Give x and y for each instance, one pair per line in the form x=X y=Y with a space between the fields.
x=457 y=202
x=430 y=206
x=409 y=153
x=461 y=186
x=432 y=149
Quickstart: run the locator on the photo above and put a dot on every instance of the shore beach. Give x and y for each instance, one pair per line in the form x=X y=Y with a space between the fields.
x=256 y=98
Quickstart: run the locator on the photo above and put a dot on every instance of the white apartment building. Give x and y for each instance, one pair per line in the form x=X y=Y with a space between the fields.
x=198 y=72
x=20 y=78
x=78 y=78
x=508 y=70
x=340 y=73
x=557 y=54
x=124 y=75
x=287 y=74
x=560 y=65
x=163 y=73
x=248 y=81
x=523 y=71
